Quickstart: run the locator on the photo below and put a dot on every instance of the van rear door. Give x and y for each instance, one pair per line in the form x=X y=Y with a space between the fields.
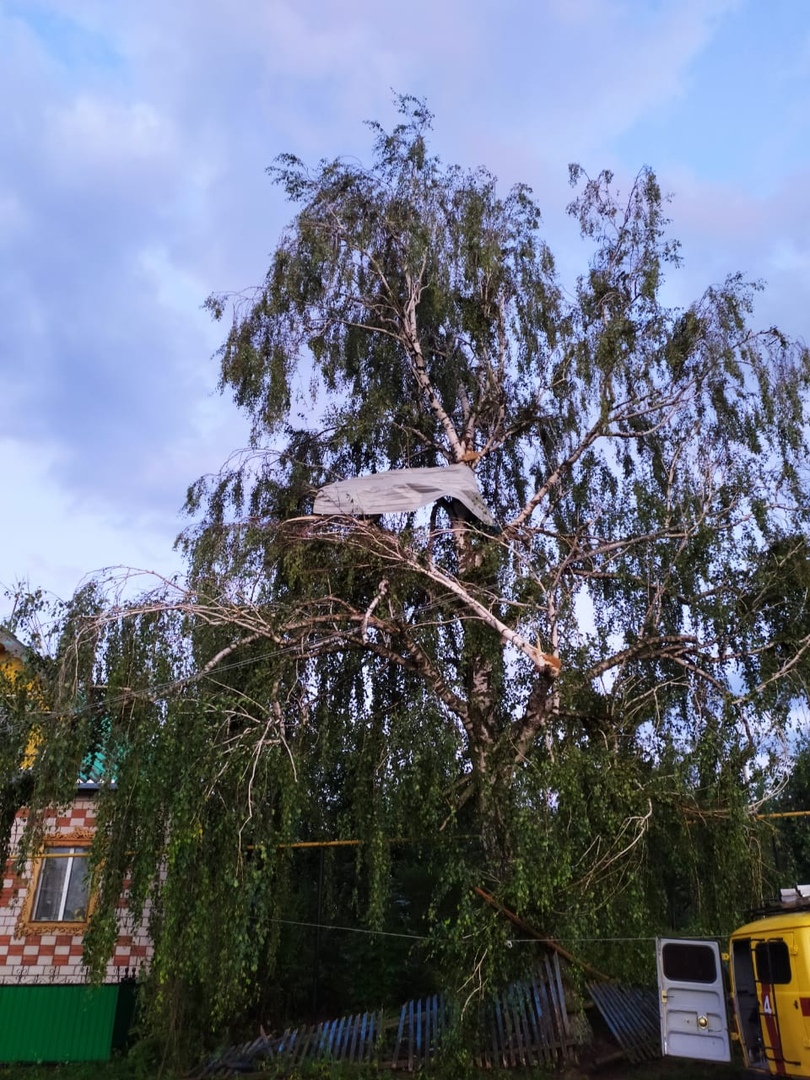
x=692 y=1000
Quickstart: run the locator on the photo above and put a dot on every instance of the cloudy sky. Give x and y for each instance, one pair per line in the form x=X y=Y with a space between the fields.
x=133 y=149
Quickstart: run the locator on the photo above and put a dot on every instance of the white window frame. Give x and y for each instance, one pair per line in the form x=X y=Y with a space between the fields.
x=74 y=854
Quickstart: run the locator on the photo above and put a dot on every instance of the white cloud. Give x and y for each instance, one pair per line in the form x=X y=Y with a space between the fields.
x=53 y=540
x=106 y=140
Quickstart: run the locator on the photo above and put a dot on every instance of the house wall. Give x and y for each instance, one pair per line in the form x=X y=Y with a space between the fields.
x=57 y=958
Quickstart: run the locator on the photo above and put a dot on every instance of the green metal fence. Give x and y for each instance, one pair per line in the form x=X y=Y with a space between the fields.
x=63 y=1023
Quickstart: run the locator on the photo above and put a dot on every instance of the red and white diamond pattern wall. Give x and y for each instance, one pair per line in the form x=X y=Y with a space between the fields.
x=43 y=912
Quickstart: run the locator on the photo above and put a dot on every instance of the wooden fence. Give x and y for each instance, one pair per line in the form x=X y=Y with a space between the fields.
x=526 y=1024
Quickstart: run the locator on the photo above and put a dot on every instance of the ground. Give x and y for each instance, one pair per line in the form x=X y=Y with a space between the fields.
x=666 y=1069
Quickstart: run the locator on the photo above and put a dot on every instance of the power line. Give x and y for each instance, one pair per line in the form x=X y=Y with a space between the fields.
x=510 y=941
x=351 y=929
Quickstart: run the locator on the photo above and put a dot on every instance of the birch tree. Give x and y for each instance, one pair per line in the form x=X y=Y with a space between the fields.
x=560 y=696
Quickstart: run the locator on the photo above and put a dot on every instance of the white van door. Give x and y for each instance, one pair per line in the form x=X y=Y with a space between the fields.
x=692 y=996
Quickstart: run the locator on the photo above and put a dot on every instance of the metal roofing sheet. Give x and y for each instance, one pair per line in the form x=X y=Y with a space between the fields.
x=631 y=1013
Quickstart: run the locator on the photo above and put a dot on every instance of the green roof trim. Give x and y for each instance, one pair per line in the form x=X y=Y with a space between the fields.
x=93 y=772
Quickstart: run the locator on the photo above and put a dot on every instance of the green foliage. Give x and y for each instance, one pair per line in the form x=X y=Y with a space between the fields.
x=395 y=681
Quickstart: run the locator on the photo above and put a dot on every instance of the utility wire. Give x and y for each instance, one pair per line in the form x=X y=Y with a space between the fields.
x=351 y=929
x=510 y=941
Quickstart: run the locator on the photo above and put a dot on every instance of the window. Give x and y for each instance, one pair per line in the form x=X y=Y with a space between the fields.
x=63 y=887
x=689 y=962
x=773 y=961
x=59 y=898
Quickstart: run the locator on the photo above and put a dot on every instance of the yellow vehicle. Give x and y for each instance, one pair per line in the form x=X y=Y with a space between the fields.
x=765 y=990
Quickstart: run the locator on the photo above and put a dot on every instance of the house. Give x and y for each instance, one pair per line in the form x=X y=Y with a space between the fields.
x=44 y=912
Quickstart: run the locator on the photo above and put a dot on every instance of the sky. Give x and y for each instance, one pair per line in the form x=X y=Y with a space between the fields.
x=134 y=144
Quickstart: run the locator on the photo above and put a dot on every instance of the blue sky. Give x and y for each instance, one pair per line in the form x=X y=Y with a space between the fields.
x=134 y=143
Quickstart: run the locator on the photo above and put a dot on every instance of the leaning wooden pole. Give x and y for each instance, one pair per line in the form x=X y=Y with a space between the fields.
x=524 y=926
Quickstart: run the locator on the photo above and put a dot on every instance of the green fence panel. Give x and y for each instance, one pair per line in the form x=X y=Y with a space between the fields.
x=56 y=1023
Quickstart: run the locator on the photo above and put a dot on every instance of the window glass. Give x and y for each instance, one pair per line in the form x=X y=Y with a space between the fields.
x=75 y=908
x=773 y=961
x=687 y=962
x=51 y=886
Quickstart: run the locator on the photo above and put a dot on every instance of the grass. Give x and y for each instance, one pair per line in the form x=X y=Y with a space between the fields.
x=126 y=1069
